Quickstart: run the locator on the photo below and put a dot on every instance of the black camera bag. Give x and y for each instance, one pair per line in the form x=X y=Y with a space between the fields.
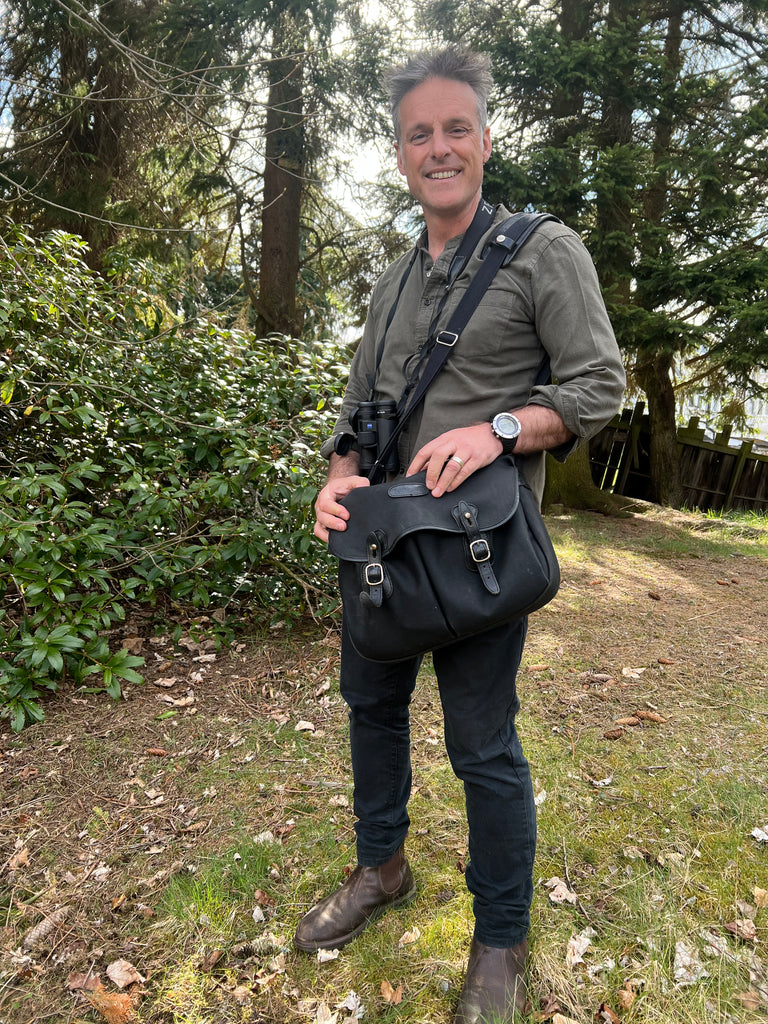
x=417 y=572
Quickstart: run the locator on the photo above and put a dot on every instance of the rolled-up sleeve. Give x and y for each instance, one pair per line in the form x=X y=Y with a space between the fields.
x=588 y=377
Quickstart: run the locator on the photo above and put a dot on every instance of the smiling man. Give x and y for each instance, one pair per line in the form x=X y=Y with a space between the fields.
x=493 y=396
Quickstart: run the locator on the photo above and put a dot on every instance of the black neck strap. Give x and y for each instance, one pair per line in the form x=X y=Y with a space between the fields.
x=481 y=222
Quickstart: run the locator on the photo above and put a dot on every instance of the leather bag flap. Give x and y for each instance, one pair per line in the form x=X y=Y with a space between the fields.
x=394 y=510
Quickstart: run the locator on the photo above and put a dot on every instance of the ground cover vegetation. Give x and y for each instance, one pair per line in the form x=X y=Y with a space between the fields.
x=148 y=456
x=156 y=853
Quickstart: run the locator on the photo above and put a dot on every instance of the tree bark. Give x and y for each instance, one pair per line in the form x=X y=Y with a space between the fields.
x=283 y=183
x=655 y=378
x=570 y=483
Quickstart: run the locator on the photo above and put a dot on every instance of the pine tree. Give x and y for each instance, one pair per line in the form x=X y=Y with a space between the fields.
x=645 y=127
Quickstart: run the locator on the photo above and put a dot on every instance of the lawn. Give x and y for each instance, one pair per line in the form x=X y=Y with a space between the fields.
x=156 y=853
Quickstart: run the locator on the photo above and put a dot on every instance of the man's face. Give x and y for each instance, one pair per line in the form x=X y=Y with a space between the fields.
x=442 y=148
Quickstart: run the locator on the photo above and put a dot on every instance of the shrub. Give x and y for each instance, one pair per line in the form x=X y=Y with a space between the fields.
x=143 y=454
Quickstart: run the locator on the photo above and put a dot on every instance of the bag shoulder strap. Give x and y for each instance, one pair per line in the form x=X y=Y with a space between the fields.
x=507 y=241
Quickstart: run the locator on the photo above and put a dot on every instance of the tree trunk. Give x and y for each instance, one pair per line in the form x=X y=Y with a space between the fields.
x=654 y=376
x=570 y=483
x=283 y=184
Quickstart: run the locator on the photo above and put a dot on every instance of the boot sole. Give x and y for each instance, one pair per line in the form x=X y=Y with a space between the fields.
x=343 y=940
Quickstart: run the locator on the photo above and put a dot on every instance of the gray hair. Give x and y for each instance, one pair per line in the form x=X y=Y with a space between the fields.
x=453 y=62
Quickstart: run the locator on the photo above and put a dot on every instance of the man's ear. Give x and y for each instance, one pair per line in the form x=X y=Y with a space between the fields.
x=400 y=163
x=487 y=147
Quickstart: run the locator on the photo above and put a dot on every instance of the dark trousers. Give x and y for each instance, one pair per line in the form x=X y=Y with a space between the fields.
x=476 y=680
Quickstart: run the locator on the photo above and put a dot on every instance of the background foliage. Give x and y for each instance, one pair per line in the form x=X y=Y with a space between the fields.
x=201 y=188
x=146 y=457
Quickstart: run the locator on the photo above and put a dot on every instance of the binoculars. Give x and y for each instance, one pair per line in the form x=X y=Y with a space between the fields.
x=373 y=424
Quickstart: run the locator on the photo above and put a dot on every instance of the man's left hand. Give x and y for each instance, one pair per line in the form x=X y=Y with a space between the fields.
x=455 y=455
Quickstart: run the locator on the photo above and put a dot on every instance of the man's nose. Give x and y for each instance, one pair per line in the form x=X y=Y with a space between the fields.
x=441 y=144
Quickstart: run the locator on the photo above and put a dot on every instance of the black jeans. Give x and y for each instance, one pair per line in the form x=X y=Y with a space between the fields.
x=476 y=680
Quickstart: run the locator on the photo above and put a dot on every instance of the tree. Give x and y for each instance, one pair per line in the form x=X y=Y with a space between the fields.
x=646 y=128
x=145 y=125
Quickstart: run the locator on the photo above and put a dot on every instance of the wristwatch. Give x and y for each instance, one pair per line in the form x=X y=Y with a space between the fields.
x=507 y=428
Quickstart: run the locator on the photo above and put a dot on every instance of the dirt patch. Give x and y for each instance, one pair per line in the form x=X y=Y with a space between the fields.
x=105 y=803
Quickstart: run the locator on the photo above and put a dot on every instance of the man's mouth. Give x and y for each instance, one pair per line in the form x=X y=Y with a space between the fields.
x=439 y=175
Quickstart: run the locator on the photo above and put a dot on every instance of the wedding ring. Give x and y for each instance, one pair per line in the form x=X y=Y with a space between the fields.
x=457 y=460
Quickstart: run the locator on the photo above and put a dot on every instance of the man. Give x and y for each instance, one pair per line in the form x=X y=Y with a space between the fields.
x=545 y=304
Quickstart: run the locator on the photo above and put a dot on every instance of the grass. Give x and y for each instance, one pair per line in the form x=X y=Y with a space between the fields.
x=191 y=845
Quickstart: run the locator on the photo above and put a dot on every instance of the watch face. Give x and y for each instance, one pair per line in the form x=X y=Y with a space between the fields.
x=506 y=425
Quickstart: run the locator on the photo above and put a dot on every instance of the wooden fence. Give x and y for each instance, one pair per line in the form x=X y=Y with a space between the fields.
x=716 y=474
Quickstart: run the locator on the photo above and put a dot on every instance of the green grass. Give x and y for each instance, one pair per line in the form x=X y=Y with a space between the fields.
x=650 y=829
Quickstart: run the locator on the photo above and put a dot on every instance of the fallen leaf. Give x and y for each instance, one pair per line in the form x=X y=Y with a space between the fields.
x=632 y=673
x=559 y=1018
x=600 y=783
x=166 y=682
x=407 y=938
x=123 y=974
x=628 y=993
x=687 y=967
x=19 y=860
x=538 y=668
x=115 y=1007
x=560 y=893
x=79 y=982
x=326 y=955
x=605 y=1013
x=211 y=960
x=353 y=1005
x=577 y=947
x=304 y=727
x=263 y=898
x=760 y=834
x=133 y=644
x=761 y=897
x=324 y=1015
x=743 y=929
x=750 y=1000
x=390 y=995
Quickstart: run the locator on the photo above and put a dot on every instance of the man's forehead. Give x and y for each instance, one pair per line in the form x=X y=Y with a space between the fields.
x=439 y=99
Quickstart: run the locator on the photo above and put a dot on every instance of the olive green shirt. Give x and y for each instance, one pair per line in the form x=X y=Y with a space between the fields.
x=547 y=301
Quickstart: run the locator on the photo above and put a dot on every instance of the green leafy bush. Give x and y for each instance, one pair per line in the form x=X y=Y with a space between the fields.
x=142 y=454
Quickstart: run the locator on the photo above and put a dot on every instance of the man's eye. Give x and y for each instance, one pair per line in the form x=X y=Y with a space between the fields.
x=420 y=137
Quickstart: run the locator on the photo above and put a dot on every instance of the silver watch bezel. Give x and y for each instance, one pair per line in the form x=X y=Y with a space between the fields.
x=506 y=435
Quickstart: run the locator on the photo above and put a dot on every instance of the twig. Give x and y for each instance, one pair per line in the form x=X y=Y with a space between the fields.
x=580 y=905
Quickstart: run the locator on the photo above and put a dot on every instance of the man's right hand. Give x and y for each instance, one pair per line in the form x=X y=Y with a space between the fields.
x=329 y=514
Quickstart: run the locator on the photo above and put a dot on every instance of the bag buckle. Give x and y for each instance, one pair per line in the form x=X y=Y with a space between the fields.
x=374 y=574
x=447 y=338
x=480 y=550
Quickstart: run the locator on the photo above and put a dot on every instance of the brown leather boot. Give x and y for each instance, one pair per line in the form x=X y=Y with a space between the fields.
x=494 y=988
x=364 y=896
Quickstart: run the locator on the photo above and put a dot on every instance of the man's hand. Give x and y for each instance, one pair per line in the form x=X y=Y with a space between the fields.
x=342 y=478
x=455 y=455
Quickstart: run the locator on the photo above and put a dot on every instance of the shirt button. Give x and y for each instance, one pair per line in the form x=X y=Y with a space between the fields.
x=427 y=302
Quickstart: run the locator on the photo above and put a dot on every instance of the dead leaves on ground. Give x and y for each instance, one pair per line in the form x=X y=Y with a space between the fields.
x=115 y=1007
